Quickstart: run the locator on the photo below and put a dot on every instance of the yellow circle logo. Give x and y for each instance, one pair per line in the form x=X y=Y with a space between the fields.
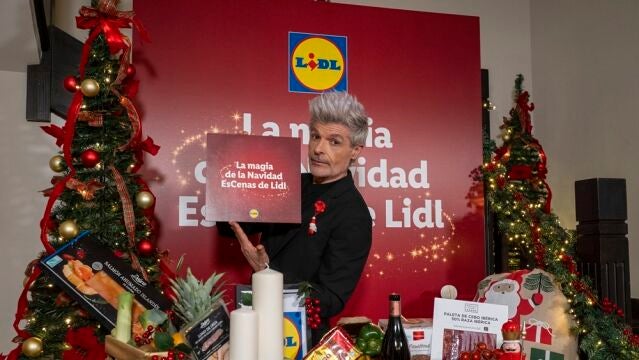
x=292 y=338
x=317 y=63
x=254 y=213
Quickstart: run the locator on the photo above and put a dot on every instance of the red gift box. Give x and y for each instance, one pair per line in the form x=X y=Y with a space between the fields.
x=538 y=331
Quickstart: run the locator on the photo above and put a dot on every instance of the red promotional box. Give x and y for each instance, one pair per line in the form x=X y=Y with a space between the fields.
x=253 y=178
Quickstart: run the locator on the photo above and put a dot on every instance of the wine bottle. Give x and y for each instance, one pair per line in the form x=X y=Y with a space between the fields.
x=394 y=344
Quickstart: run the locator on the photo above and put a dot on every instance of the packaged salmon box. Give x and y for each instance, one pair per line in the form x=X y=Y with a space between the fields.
x=91 y=273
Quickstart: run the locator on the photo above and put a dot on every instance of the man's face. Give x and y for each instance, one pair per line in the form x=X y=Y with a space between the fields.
x=330 y=152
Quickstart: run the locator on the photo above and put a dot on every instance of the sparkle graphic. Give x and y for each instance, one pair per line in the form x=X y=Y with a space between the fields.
x=429 y=248
x=198 y=139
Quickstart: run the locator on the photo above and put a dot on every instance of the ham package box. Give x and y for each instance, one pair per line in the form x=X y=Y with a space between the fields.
x=94 y=276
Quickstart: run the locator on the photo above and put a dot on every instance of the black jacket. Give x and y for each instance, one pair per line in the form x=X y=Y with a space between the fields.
x=332 y=259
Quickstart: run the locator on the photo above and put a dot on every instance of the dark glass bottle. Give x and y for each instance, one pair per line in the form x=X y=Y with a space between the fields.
x=394 y=344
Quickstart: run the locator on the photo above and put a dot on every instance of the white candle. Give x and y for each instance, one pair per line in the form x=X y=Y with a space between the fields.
x=268 y=303
x=243 y=334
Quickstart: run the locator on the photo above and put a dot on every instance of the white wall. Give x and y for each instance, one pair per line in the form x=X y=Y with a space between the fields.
x=24 y=171
x=585 y=56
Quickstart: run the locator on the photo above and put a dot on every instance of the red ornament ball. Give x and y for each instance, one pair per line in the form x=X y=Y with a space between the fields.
x=145 y=247
x=90 y=158
x=71 y=83
x=537 y=298
x=130 y=71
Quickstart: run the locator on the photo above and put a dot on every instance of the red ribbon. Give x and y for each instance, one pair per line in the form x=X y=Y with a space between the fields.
x=129 y=219
x=520 y=172
x=58 y=188
x=108 y=21
x=72 y=116
x=55 y=131
x=548 y=197
x=136 y=124
x=147 y=145
x=20 y=312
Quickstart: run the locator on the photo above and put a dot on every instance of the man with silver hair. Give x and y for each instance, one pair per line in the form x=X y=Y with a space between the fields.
x=330 y=247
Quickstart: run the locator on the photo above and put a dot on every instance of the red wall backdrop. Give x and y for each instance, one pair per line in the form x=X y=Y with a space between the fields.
x=213 y=65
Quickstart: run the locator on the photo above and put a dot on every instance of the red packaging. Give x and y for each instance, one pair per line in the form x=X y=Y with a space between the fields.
x=336 y=344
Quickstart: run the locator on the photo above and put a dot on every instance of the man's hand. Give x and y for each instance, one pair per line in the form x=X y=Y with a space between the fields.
x=255 y=255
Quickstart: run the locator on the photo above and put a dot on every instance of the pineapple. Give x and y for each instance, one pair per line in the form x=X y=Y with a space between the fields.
x=193 y=298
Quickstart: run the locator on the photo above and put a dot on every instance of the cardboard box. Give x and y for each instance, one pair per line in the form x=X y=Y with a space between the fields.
x=419 y=334
x=90 y=272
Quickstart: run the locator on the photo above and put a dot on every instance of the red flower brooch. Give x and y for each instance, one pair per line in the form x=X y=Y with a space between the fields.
x=320 y=207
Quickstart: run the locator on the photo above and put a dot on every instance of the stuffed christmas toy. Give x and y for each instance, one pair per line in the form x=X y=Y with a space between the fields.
x=539 y=309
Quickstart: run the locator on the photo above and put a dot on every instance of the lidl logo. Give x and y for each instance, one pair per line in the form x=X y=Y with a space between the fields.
x=292 y=338
x=317 y=63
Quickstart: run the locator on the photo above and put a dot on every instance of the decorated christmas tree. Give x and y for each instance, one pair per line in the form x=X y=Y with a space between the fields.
x=520 y=197
x=96 y=188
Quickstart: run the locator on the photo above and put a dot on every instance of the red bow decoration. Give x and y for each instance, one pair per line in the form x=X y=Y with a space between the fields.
x=320 y=207
x=87 y=190
x=108 y=20
x=55 y=131
x=138 y=147
x=85 y=345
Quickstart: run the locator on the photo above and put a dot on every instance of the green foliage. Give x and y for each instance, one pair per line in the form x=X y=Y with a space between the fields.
x=47 y=316
x=194 y=299
x=517 y=193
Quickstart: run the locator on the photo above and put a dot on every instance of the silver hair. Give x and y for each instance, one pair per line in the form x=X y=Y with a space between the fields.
x=341 y=108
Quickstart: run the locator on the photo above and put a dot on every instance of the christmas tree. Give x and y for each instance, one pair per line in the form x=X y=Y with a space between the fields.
x=96 y=188
x=520 y=197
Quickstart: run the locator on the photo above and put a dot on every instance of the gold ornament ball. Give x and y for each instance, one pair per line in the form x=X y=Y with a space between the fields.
x=68 y=229
x=32 y=347
x=57 y=163
x=66 y=346
x=90 y=87
x=144 y=199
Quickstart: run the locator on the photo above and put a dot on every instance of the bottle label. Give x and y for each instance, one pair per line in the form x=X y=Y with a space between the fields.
x=395 y=309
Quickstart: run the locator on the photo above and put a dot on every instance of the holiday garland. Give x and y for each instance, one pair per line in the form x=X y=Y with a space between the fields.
x=519 y=196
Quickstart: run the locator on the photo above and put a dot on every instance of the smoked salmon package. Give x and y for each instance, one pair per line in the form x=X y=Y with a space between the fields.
x=94 y=276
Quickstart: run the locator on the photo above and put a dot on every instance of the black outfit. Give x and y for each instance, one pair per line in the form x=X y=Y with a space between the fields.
x=333 y=258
